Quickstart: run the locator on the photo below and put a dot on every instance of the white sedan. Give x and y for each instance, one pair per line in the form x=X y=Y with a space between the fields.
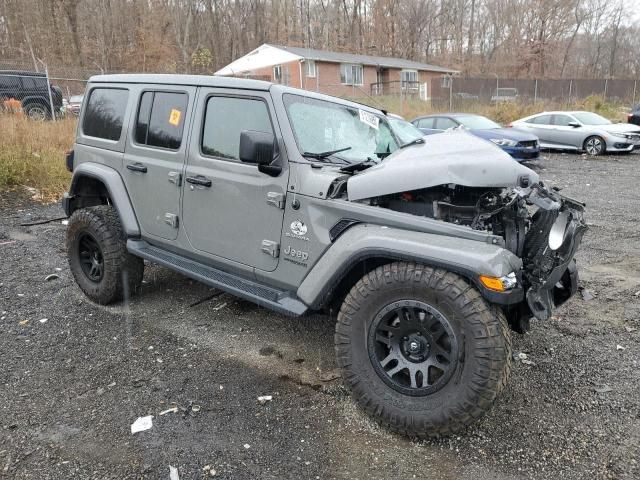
x=584 y=131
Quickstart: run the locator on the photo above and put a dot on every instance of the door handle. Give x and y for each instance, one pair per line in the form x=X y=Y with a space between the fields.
x=199 y=180
x=137 y=167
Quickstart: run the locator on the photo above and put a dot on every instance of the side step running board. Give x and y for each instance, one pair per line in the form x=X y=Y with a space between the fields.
x=277 y=300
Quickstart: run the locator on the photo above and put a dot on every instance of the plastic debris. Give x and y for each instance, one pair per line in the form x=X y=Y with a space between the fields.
x=23 y=322
x=219 y=307
x=53 y=276
x=586 y=295
x=65 y=222
x=620 y=347
x=141 y=424
x=264 y=399
x=602 y=388
x=173 y=473
x=170 y=410
x=247 y=446
x=43 y=320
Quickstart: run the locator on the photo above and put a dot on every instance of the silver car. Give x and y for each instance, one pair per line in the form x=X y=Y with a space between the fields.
x=584 y=131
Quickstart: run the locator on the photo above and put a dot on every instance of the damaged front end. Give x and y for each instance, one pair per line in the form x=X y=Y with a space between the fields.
x=471 y=183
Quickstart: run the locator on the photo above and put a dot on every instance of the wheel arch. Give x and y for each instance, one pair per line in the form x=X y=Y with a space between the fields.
x=363 y=248
x=95 y=184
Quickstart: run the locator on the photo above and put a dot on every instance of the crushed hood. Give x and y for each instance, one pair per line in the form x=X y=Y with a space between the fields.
x=453 y=157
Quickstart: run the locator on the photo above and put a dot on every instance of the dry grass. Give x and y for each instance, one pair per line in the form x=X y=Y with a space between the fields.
x=503 y=112
x=32 y=154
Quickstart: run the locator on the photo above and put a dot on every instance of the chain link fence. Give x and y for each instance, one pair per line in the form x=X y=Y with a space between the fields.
x=455 y=93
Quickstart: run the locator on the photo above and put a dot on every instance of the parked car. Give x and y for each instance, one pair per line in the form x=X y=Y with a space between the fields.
x=308 y=216
x=579 y=130
x=75 y=104
x=505 y=95
x=520 y=145
x=405 y=131
x=634 y=116
x=31 y=90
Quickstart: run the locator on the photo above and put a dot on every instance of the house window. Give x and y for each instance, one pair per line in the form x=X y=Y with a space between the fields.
x=409 y=79
x=350 y=74
x=277 y=74
x=311 y=68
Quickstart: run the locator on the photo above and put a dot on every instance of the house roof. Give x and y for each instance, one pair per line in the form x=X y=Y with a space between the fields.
x=268 y=55
x=341 y=57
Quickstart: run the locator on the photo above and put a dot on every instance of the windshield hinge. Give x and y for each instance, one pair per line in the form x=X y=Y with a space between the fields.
x=276 y=199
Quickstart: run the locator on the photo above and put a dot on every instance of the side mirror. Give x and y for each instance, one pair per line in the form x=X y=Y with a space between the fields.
x=259 y=148
x=574 y=124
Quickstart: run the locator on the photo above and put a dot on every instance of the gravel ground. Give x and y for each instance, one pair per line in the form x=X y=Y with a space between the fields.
x=72 y=385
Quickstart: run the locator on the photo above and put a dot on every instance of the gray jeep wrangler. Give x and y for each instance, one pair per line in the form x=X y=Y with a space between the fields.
x=428 y=251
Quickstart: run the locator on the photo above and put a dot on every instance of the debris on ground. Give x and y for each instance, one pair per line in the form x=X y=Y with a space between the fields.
x=247 y=446
x=586 y=294
x=23 y=322
x=169 y=410
x=602 y=388
x=141 y=424
x=264 y=399
x=330 y=375
x=173 y=473
x=53 y=276
x=523 y=358
x=43 y=320
x=219 y=307
x=620 y=347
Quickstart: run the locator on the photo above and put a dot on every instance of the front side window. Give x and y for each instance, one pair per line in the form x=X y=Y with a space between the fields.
x=160 y=120
x=104 y=115
x=226 y=118
x=322 y=126
x=350 y=74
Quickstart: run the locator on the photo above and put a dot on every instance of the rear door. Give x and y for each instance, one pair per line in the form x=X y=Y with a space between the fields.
x=231 y=210
x=154 y=157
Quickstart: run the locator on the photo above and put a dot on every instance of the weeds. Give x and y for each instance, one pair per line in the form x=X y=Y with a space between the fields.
x=32 y=154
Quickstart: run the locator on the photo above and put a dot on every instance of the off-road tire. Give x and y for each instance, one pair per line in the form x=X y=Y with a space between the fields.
x=484 y=350
x=594 y=145
x=122 y=272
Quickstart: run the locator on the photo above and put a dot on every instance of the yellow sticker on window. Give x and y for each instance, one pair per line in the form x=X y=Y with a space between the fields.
x=174 y=118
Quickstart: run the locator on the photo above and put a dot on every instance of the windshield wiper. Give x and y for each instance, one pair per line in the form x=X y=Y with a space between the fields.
x=415 y=141
x=324 y=155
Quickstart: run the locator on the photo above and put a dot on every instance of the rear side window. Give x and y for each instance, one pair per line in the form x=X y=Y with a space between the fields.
x=446 y=123
x=104 y=114
x=541 y=120
x=9 y=81
x=225 y=118
x=34 y=83
x=160 y=121
x=562 y=120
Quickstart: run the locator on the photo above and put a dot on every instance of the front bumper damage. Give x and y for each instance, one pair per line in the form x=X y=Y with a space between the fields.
x=549 y=271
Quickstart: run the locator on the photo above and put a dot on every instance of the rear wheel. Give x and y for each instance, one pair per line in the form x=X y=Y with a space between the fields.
x=37 y=112
x=595 y=145
x=98 y=256
x=421 y=350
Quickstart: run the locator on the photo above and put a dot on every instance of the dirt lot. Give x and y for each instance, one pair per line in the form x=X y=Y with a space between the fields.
x=72 y=385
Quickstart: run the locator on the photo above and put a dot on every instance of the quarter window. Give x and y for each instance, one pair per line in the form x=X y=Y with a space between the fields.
x=226 y=118
x=350 y=74
x=104 y=115
x=160 y=121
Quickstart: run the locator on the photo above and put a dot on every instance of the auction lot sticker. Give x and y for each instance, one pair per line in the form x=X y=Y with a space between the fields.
x=369 y=118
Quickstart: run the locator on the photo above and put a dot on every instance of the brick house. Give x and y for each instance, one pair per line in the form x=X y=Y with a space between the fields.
x=336 y=73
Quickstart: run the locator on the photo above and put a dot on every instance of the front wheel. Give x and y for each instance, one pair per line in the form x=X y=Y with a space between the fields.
x=594 y=145
x=37 y=112
x=421 y=350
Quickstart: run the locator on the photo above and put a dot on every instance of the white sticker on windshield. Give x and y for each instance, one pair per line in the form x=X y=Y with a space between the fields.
x=369 y=118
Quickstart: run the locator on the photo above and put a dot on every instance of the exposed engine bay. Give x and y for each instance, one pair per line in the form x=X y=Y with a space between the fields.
x=541 y=226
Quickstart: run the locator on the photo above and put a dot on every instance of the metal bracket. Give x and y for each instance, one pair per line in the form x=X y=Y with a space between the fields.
x=276 y=199
x=171 y=219
x=175 y=178
x=271 y=248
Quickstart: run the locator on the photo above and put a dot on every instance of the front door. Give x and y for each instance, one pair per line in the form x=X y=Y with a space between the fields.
x=154 y=157
x=230 y=209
